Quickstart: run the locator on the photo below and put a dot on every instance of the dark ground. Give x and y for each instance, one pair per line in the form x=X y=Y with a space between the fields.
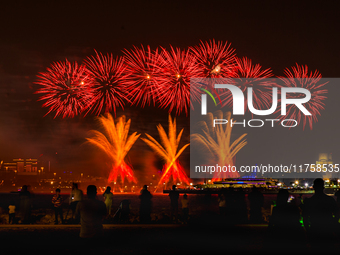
x=132 y=239
x=153 y=239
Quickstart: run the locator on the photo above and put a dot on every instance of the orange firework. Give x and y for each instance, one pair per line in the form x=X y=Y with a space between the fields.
x=216 y=143
x=116 y=143
x=169 y=153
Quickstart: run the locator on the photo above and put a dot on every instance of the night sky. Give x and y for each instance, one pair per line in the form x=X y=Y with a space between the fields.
x=34 y=34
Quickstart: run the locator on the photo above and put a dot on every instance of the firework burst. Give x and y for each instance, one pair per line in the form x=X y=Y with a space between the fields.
x=177 y=67
x=215 y=143
x=142 y=75
x=108 y=89
x=65 y=88
x=214 y=60
x=169 y=153
x=300 y=77
x=116 y=143
x=249 y=75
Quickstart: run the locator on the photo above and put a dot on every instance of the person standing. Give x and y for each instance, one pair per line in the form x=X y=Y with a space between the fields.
x=57 y=202
x=256 y=201
x=185 y=208
x=145 y=205
x=284 y=224
x=320 y=216
x=337 y=195
x=91 y=213
x=222 y=205
x=108 y=197
x=11 y=213
x=174 y=196
x=25 y=205
x=75 y=197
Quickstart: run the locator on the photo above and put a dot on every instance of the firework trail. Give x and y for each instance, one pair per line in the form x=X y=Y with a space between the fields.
x=142 y=75
x=169 y=153
x=299 y=77
x=65 y=88
x=215 y=143
x=116 y=143
x=177 y=67
x=107 y=88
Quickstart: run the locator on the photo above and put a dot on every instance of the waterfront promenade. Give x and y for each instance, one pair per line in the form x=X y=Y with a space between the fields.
x=134 y=239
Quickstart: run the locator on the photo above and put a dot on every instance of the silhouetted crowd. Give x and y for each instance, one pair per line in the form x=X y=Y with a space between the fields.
x=298 y=221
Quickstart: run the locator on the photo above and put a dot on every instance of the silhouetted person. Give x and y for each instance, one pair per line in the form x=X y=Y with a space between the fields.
x=124 y=211
x=25 y=205
x=240 y=207
x=145 y=205
x=75 y=197
x=108 y=198
x=57 y=202
x=230 y=203
x=185 y=208
x=91 y=213
x=320 y=215
x=222 y=204
x=284 y=225
x=11 y=213
x=337 y=195
x=174 y=196
x=285 y=216
x=256 y=200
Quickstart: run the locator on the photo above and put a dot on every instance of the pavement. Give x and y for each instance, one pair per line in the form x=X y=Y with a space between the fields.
x=150 y=239
x=114 y=226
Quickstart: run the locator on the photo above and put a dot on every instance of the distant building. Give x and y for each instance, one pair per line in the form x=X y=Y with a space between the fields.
x=21 y=166
x=325 y=159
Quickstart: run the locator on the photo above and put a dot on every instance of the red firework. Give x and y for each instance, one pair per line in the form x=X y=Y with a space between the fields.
x=124 y=171
x=177 y=67
x=65 y=88
x=299 y=77
x=108 y=89
x=249 y=75
x=214 y=60
x=142 y=75
x=176 y=172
